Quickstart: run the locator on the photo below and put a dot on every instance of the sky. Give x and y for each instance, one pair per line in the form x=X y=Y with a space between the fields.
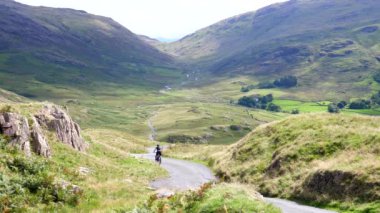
x=162 y=19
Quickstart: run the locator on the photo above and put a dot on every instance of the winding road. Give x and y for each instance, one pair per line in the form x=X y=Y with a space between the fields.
x=185 y=175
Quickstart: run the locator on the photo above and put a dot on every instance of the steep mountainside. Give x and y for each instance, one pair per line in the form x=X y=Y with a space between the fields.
x=70 y=47
x=327 y=44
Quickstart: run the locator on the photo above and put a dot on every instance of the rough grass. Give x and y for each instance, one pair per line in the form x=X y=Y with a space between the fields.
x=209 y=120
x=204 y=154
x=31 y=184
x=283 y=157
x=116 y=179
x=219 y=198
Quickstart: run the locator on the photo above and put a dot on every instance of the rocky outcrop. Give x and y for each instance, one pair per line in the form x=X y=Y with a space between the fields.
x=67 y=131
x=16 y=128
x=28 y=134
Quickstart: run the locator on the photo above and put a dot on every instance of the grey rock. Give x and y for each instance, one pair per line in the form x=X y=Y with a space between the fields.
x=39 y=144
x=84 y=170
x=16 y=127
x=67 y=185
x=67 y=131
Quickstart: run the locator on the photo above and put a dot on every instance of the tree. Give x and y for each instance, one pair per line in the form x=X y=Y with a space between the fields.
x=376 y=98
x=287 y=81
x=266 y=99
x=333 y=108
x=249 y=101
x=273 y=107
x=376 y=77
x=360 y=104
x=295 y=111
x=244 y=89
x=256 y=101
x=342 y=104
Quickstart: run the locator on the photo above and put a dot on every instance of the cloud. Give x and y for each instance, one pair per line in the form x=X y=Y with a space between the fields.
x=161 y=18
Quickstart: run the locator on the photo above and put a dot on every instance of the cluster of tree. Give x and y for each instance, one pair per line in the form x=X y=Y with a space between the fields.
x=356 y=104
x=360 y=104
x=333 y=108
x=259 y=102
x=284 y=82
x=336 y=107
x=366 y=104
x=287 y=81
x=376 y=98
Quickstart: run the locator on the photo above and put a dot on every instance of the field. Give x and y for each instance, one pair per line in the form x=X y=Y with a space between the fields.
x=213 y=120
x=205 y=113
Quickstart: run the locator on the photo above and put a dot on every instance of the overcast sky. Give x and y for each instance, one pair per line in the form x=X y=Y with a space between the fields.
x=161 y=18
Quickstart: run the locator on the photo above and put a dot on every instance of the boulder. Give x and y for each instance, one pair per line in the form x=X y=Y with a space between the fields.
x=16 y=127
x=67 y=131
x=84 y=171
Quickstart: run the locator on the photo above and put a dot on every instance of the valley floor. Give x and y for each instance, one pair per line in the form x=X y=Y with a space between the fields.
x=118 y=121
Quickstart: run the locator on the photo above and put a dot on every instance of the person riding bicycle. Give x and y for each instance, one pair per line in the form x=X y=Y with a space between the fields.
x=158 y=152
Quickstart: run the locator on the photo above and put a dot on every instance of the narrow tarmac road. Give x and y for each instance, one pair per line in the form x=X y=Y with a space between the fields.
x=185 y=175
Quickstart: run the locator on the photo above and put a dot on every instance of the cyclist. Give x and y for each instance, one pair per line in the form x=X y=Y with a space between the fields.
x=158 y=152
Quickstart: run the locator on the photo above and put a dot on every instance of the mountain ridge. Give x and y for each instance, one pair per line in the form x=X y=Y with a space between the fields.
x=64 y=46
x=329 y=44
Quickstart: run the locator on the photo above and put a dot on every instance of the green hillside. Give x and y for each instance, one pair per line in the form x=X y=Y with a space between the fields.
x=48 y=48
x=331 y=160
x=330 y=46
x=116 y=180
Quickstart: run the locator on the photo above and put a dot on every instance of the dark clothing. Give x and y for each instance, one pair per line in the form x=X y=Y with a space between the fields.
x=157 y=150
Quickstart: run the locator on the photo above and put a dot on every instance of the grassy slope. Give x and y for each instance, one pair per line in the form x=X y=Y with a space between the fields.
x=208 y=119
x=116 y=180
x=9 y=97
x=330 y=159
x=73 y=50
